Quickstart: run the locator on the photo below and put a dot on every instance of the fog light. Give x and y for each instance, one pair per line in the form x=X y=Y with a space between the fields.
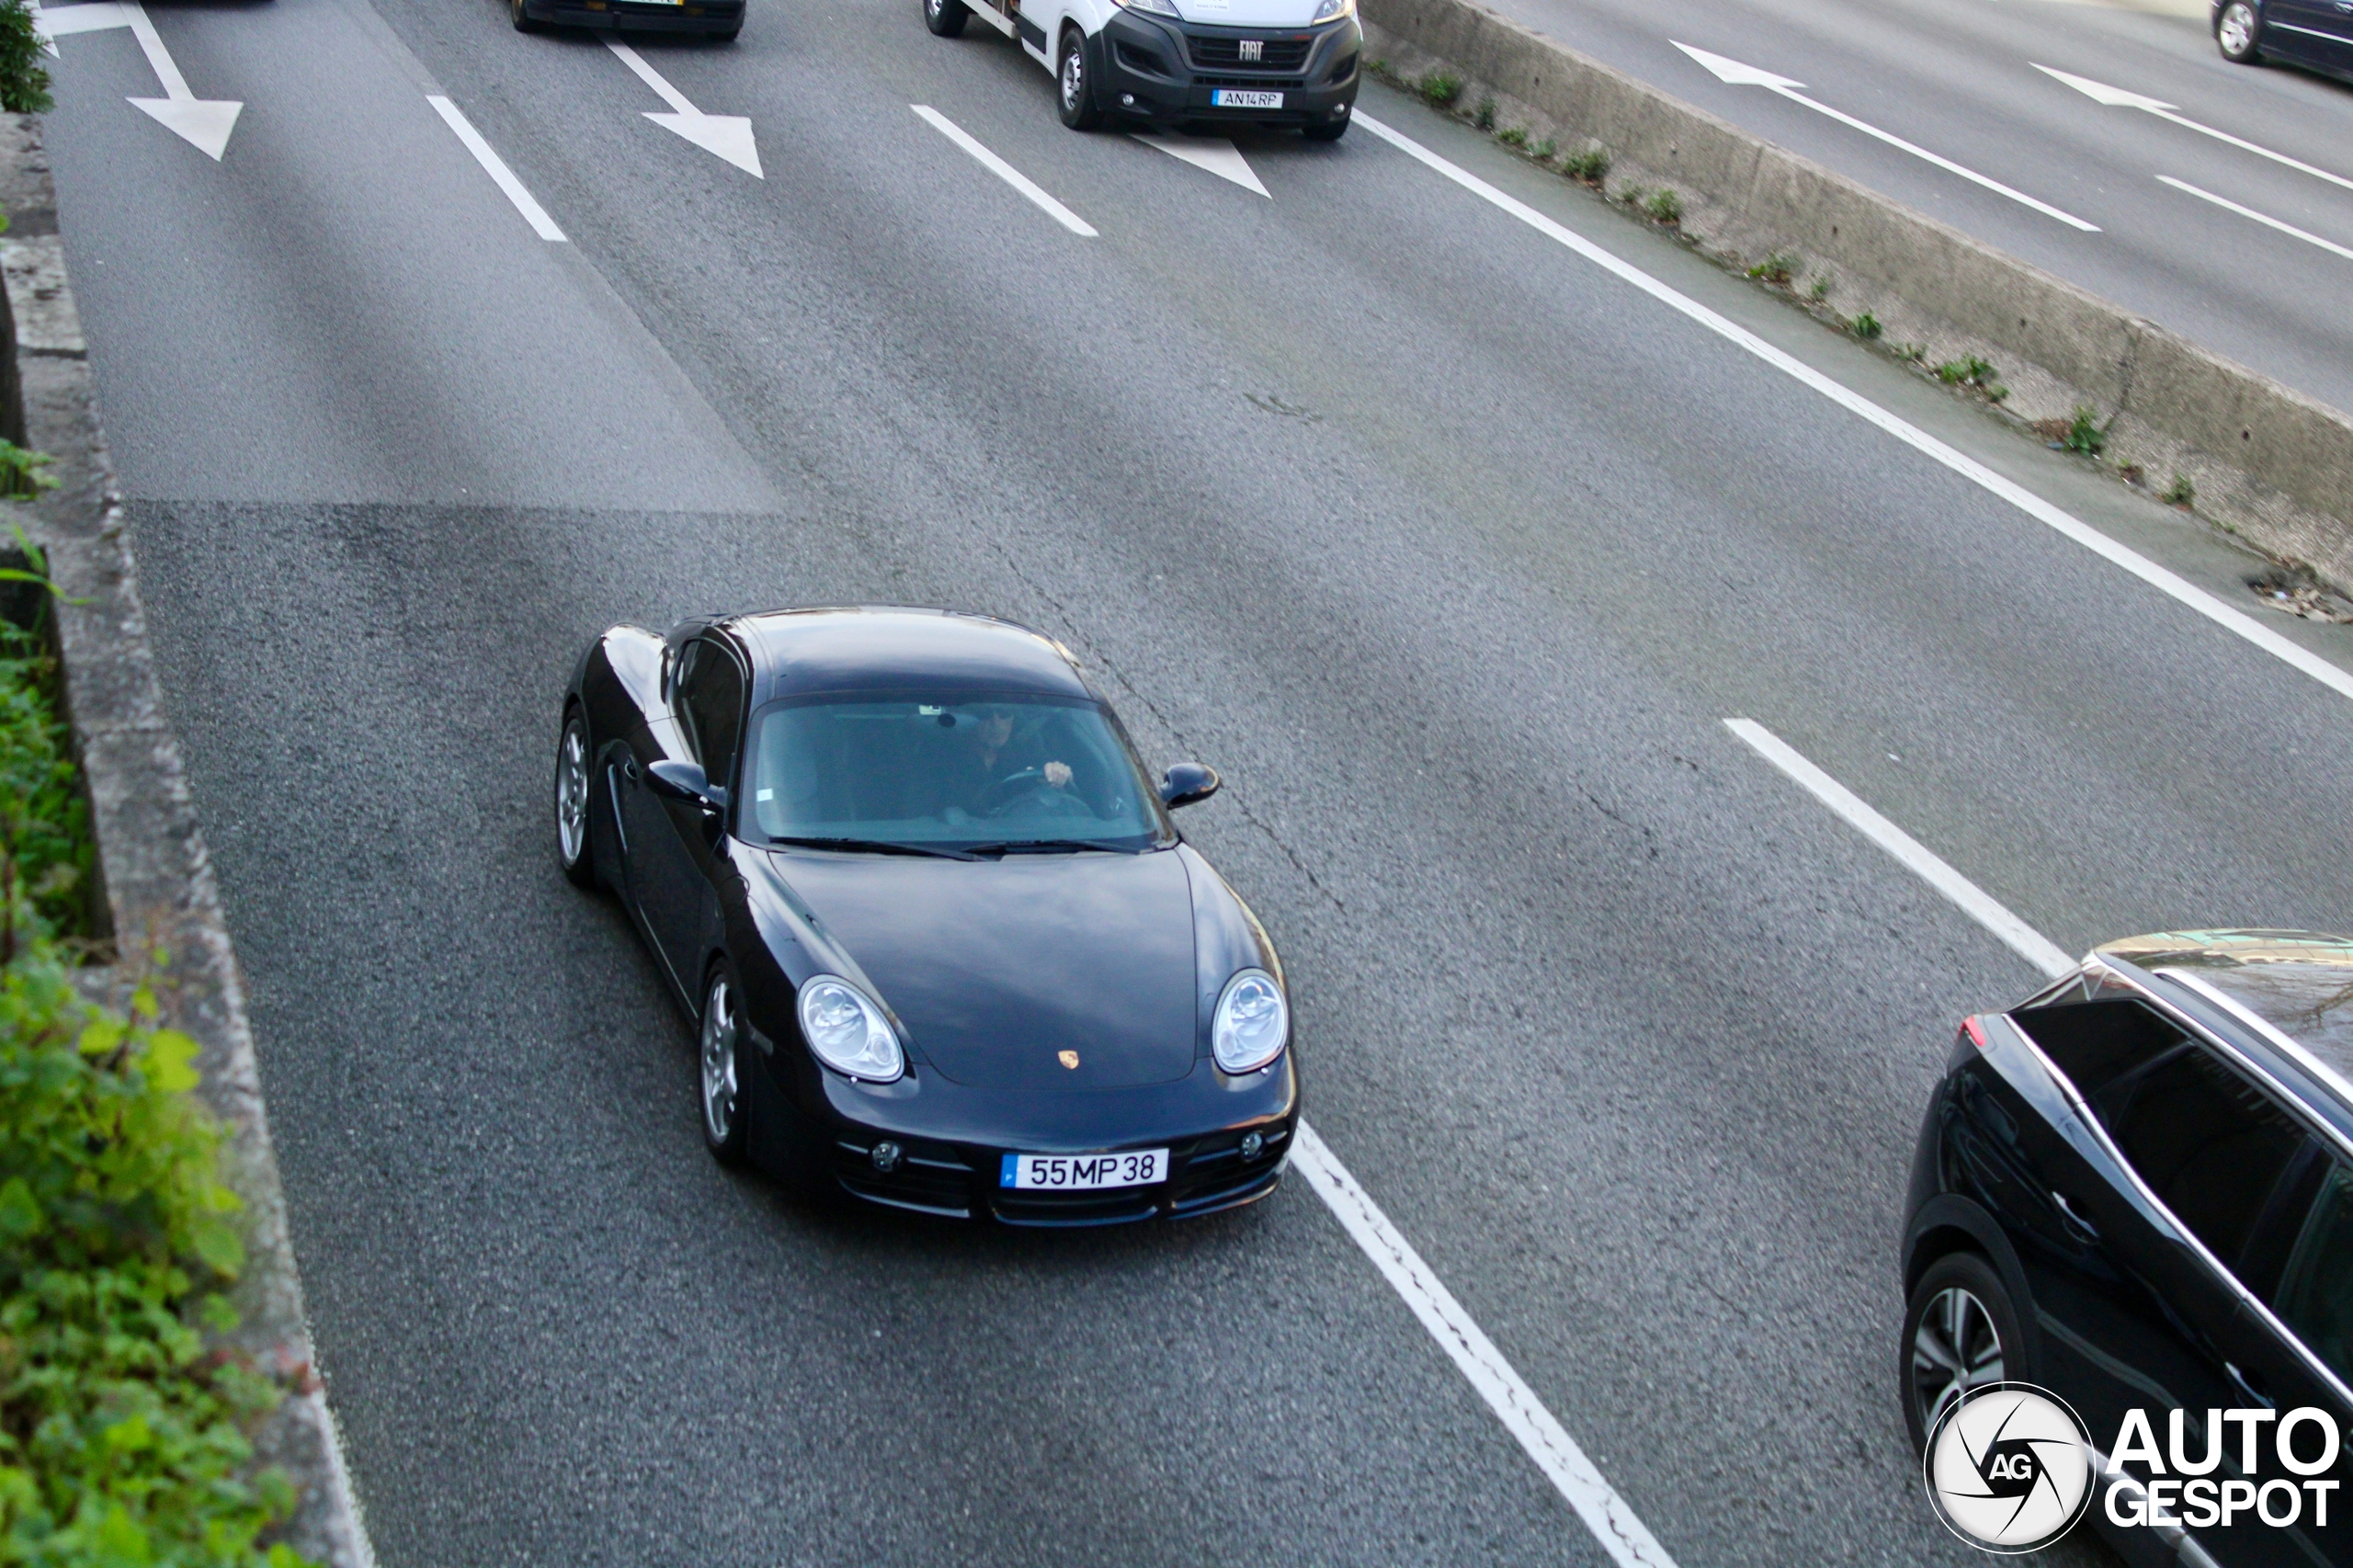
x=1341 y=113
x=1251 y=1146
x=1127 y=100
x=887 y=1156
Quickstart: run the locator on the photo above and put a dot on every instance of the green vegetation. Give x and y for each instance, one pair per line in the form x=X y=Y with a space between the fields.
x=1515 y=137
x=1543 y=151
x=1778 y=268
x=1442 y=88
x=125 y=1430
x=23 y=80
x=1664 y=206
x=2180 y=493
x=1967 y=370
x=1484 y=117
x=22 y=474
x=1821 y=290
x=1591 y=166
x=2086 y=433
x=1866 y=326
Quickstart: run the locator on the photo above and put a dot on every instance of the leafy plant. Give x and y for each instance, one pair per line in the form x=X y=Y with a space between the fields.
x=1821 y=290
x=1866 y=326
x=1664 y=206
x=1515 y=137
x=1543 y=151
x=22 y=474
x=1442 y=88
x=1967 y=370
x=23 y=80
x=1778 y=268
x=1915 y=352
x=1631 y=194
x=2180 y=493
x=1484 y=117
x=1591 y=166
x=2086 y=433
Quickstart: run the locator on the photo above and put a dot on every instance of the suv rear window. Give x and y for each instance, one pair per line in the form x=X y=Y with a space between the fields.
x=2094 y=1043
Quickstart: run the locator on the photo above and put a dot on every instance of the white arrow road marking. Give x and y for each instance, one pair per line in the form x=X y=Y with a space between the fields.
x=728 y=135
x=1972 y=900
x=2237 y=622
x=203 y=123
x=2228 y=205
x=1004 y=171
x=495 y=167
x=1609 y=1515
x=1734 y=74
x=1220 y=157
x=2116 y=98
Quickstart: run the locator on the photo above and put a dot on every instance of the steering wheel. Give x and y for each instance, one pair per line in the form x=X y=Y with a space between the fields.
x=1015 y=787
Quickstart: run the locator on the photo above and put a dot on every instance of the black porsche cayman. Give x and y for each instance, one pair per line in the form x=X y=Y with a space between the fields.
x=944 y=948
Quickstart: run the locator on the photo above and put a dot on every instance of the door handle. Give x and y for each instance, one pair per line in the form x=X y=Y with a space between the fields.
x=628 y=769
x=2076 y=1221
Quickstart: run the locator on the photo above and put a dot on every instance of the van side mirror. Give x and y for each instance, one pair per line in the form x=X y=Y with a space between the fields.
x=1186 y=782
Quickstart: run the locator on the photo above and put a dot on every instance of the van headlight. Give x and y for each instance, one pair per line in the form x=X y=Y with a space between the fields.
x=846 y=1029
x=1332 y=11
x=1252 y=1024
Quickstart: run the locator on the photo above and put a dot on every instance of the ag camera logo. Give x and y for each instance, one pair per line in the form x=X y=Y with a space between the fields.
x=2010 y=1467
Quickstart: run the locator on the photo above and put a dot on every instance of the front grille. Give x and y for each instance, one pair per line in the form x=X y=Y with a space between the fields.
x=1201 y=81
x=1116 y=1207
x=931 y=1177
x=1227 y=53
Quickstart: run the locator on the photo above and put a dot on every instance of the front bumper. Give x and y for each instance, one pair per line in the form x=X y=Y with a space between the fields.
x=703 y=17
x=952 y=1140
x=1159 y=69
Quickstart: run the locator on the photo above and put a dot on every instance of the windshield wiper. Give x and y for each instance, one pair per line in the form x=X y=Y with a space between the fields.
x=879 y=847
x=1046 y=846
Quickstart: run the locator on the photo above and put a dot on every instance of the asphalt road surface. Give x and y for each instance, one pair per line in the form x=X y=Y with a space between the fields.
x=1957 y=78
x=1452 y=550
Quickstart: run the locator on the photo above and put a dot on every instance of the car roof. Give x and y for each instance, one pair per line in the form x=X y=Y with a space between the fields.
x=2298 y=984
x=886 y=648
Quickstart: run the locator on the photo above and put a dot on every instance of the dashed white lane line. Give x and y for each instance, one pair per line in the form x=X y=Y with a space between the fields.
x=2227 y=205
x=495 y=167
x=2238 y=623
x=1972 y=900
x=1004 y=171
x=1607 y=1514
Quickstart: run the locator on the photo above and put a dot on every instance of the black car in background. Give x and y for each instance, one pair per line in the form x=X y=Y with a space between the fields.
x=2314 y=33
x=943 y=947
x=2136 y=1190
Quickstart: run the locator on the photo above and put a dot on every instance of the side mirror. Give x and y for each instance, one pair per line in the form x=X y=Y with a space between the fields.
x=685 y=781
x=1188 y=782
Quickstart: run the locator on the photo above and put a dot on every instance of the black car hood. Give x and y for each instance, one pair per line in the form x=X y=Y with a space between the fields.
x=997 y=967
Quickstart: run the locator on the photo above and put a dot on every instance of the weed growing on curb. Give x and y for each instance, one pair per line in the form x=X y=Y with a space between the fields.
x=1821 y=290
x=1664 y=206
x=1379 y=67
x=21 y=477
x=1543 y=151
x=2180 y=493
x=23 y=80
x=1442 y=88
x=1631 y=194
x=1969 y=370
x=1915 y=352
x=2085 y=435
x=1778 y=268
x=1591 y=166
x=1866 y=326
x=1484 y=116
x=1515 y=137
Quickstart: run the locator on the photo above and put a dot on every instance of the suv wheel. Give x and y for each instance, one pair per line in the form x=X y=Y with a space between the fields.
x=2239 y=33
x=1073 y=95
x=1959 y=1333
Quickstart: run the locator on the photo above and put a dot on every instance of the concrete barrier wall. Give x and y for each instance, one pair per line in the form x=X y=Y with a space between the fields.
x=2271 y=463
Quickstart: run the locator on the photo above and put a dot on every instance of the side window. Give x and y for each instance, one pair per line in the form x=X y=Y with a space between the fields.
x=2315 y=1295
x=2211 y=1144
x=711 y=703
x=2096 y=1042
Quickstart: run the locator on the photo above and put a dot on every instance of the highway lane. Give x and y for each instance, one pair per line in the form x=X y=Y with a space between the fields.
x=1451 y=552
x=1959 y=80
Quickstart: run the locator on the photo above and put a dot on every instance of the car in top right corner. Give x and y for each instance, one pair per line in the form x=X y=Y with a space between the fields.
x=2135 y=1190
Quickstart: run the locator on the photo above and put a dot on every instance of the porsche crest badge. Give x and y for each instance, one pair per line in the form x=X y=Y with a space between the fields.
x=1068 y=1059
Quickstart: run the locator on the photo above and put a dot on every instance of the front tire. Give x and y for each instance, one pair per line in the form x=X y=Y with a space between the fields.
x=1074 y=93
x=2238 y=33
x=946 y=19
x=726 y=1126
x=1960 y=1332
x=524 y=21
x=574 y=840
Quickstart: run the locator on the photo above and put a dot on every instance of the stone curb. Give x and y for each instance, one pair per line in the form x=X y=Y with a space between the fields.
x=160 y=895
x=2269 y=462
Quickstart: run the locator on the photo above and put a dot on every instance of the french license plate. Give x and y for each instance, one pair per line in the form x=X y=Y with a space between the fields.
x=1230 y=98
x=1084 y=1173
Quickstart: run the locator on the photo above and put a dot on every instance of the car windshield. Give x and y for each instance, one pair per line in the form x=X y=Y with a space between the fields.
x=990 y=773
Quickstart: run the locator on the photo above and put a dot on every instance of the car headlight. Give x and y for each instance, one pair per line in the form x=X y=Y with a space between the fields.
x=1251 y=1023
x=1160 y=7
x=846 y=1029
x=1332 y=11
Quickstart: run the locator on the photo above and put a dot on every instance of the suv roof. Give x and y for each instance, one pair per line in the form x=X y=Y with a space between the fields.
x=2296 y=983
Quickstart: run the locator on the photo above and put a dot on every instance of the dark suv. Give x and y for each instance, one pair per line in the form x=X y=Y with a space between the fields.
x=2136 y=1190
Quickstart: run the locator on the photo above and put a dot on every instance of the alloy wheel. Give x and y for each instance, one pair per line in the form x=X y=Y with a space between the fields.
x=572 y=795
x=719 y=1030
x=1956 y=1348
x=2237 y=31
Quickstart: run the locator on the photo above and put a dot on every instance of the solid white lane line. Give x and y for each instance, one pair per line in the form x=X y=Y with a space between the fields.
x=2229 y=206
x=1972 y=900
x=2118 y=98
x=1004 y=171
x=1609 y=1515
x=2239 y=623
x=1733 y=74
x=495 y=167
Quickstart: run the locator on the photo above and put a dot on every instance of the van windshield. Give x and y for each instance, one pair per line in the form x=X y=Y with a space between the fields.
x=953 y=772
